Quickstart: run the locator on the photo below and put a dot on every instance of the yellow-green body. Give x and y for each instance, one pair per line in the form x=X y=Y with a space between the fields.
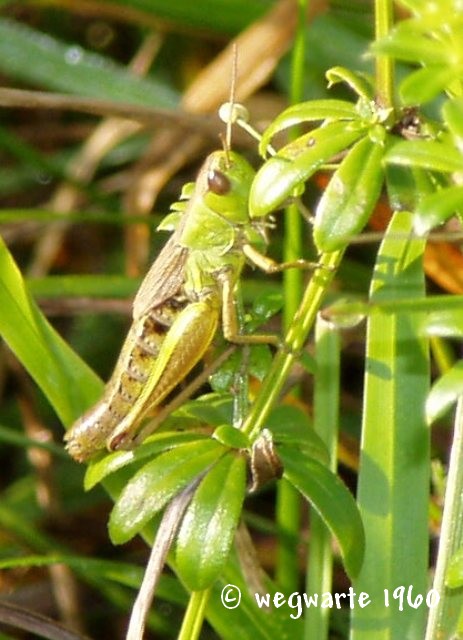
x=178 y=306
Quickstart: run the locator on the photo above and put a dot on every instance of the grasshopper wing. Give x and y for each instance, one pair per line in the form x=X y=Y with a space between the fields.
x=164 y=279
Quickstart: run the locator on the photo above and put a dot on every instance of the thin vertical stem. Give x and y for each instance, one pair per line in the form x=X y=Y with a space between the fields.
x=194 y=615
x=295 y=338
x=288 y=505
x=384 y=63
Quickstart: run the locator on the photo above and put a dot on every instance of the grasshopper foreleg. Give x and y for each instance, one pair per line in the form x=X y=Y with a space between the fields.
x=270 y=266
x=230 y=323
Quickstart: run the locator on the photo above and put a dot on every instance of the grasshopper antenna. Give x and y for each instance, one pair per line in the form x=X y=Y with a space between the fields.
x=226 y=109
x=232 y=97
x=234 y=113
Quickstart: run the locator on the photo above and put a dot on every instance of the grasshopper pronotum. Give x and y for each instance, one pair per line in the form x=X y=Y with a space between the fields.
x=177 y=309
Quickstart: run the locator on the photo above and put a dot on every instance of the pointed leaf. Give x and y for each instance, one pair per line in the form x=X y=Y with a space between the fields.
x=355 y=81
x=407 y=43
x=331 y=499
x=436 y=208
x=156 y=483
x=425 y=84
x=210 y=522
x=307 y=112
x=290 y=426
x=428 y=154
x=295 y=163
x=350 y=196
x=99 y=469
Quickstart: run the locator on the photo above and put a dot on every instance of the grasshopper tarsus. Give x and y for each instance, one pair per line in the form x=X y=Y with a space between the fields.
x=271 y=266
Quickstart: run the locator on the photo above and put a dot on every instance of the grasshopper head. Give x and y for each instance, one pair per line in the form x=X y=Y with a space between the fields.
x=226 y=179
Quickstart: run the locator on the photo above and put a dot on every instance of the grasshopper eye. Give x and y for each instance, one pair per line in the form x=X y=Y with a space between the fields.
x=218 y=182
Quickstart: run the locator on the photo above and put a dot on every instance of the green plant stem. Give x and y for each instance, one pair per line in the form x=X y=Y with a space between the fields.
x=441 y=620
x=294 y=341
x=293 y=245
x=384 y=63
x=194 y=615
x=288 y=502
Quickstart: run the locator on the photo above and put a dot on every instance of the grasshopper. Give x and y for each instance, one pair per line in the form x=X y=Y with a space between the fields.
x=177 y=309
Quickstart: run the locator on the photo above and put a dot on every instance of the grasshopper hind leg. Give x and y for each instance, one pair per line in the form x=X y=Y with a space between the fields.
x=183 y=347
x=140 y=350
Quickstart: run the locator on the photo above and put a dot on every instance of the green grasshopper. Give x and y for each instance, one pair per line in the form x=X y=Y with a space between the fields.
x=177 y=309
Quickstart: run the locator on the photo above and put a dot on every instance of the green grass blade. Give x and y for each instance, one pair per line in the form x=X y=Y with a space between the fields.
x=65 y=67
x=69 y=385
x=226 y=16
x=394 y=470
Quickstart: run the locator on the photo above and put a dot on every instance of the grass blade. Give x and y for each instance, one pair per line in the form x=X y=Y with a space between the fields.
x=394 y=469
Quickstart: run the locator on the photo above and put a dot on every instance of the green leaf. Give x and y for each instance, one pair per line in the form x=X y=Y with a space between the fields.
x=66 y=67
x=427 y=154
x=425 y=84
x=435 y=315
x=332 y=500
x=295 y=163
x=264 y=307
x=212 y=409
x=209 y=524
x=407 y=43
x=68 y=383
x=444 y=393
x=350 y=196
x=395 y=453
x=307 y=112
x=98 y=469
x=292 y=427
x=452 y=112
x=436 y=208
x=156 y=483
x=407 y=185
x=216 y=15
x=231 y=437
x=444 y=321
x=257 y=365
x=424 y=8
x=355 y=81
